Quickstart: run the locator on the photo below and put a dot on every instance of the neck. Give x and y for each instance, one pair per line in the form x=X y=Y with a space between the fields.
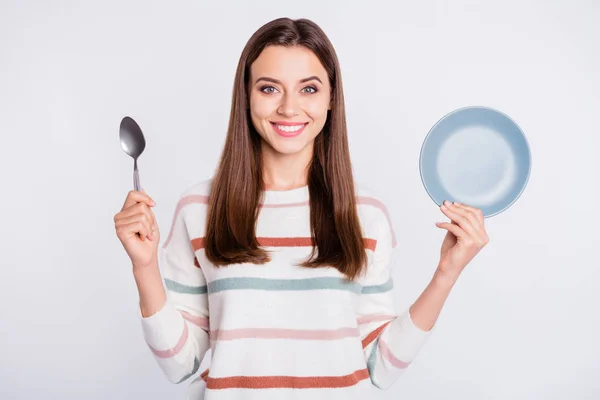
x=285 y=171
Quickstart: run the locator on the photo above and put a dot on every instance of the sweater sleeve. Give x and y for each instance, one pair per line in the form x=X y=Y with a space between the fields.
x=390 y=341
x=178 y=334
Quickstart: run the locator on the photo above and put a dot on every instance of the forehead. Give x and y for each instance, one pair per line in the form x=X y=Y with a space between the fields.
x=287 y=64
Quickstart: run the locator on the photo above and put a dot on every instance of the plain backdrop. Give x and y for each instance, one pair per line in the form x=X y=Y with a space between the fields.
x=521 y=323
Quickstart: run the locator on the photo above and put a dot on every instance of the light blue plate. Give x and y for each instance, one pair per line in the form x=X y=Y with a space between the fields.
x=477 y=156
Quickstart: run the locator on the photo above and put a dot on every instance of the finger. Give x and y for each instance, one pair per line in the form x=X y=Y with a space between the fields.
x=139 y=217
x=142 y=207
x=476 y=211
x=454 y=214
x=138 y=208
x=455 y=229
x=135 y=196
x=467 y=214
x=476 y=215
x=146 y=218
x=134 y=228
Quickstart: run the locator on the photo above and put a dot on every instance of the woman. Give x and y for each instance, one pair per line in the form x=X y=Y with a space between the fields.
x=278 y=264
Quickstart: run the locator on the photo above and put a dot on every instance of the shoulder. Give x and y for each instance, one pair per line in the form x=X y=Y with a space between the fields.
x=373 y=213
x=199 y=188
x=193 y=199
x=370 y=203
x=189 y=214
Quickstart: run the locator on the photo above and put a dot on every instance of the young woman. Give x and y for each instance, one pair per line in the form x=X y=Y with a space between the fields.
x=279 y=264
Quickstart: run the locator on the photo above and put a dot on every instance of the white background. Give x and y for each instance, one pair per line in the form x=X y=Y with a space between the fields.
x=521 y=323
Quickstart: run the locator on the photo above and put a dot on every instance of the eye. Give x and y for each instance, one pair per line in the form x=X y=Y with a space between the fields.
x=267 y=89
x=311 y=89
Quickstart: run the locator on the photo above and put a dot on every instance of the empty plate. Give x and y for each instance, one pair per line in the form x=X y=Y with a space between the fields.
x=477 y=156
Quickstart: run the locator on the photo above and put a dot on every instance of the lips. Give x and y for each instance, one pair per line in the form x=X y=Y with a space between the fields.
x=289 y=129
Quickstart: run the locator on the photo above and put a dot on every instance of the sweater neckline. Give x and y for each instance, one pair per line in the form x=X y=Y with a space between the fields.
x=295 y=195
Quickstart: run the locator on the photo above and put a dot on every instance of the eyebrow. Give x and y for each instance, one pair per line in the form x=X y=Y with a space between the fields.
x=273 y=80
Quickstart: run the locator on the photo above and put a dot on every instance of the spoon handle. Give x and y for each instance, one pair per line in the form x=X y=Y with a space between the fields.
x=136 y=177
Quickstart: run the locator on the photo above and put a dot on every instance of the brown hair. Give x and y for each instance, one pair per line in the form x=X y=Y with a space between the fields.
x=237 y=188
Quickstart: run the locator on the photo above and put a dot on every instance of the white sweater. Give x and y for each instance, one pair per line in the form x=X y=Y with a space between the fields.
x=279 y=331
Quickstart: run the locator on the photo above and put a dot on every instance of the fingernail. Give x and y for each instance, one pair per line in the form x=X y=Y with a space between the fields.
x=447 y=203
x=153 y=203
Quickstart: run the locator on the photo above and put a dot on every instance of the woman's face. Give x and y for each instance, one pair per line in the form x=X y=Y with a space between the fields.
x=289 y=98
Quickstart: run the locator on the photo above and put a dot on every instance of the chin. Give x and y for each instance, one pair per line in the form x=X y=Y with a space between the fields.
x=289 y=148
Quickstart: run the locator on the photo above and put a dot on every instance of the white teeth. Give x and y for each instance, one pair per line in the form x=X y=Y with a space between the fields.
x=292 y=128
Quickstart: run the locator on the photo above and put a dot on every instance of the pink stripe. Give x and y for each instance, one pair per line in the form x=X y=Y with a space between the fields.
x=201 y=199
x=175 y=350
x=202 y=322
x=365 y=319
x=387 y=354
x=273 y=333
x=191 y=199
x=370 y=201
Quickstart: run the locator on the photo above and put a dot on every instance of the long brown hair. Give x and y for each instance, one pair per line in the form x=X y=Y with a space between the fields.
x=237 y=188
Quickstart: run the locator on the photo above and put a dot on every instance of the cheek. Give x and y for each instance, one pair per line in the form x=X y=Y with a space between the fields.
x=261 y=108
x=317 y=109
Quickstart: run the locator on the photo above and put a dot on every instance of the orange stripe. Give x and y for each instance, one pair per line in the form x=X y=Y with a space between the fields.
x=294 y=382
x=373 y=335
x=198 y=243
x=202 y=199
x=285 y=241
x=370 y=244
x=204 y=376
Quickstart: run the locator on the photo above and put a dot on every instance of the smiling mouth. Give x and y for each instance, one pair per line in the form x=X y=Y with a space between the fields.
x=288 y=129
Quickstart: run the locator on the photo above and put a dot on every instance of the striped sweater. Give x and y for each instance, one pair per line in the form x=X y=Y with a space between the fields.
x=279 y=331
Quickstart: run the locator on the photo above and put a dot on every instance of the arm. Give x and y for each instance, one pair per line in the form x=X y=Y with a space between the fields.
x=150 y=288
x=390 y=341
x=426 y=309
x=175 y=320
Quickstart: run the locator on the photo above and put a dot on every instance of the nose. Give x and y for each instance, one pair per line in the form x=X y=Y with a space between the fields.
x=289 y=106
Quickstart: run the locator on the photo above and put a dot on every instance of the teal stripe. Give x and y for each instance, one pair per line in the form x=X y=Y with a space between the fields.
x=181 y=288
x=278 y=284
x=371 y=362
x=194 y=370
x=385 y=287
x=282 y=284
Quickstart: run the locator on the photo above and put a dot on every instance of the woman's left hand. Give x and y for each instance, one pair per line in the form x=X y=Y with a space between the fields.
x=466 y=236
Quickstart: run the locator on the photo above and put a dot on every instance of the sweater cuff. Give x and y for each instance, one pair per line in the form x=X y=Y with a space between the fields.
x=163 y=330
x=404 y=338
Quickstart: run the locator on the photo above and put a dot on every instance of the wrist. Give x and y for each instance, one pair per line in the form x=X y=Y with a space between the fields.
x=145 y=268
x=444 y=278
x=144 y=273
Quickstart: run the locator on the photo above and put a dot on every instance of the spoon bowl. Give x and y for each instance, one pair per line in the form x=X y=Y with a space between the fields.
x=133 y=143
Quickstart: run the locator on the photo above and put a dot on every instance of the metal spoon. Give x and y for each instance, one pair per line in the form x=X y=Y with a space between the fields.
x=133 y=143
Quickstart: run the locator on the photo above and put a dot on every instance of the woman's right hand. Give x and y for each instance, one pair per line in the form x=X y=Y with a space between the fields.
x=137 y=229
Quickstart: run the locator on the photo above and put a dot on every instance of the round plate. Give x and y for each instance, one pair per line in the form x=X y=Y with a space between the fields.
x=477 y=156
